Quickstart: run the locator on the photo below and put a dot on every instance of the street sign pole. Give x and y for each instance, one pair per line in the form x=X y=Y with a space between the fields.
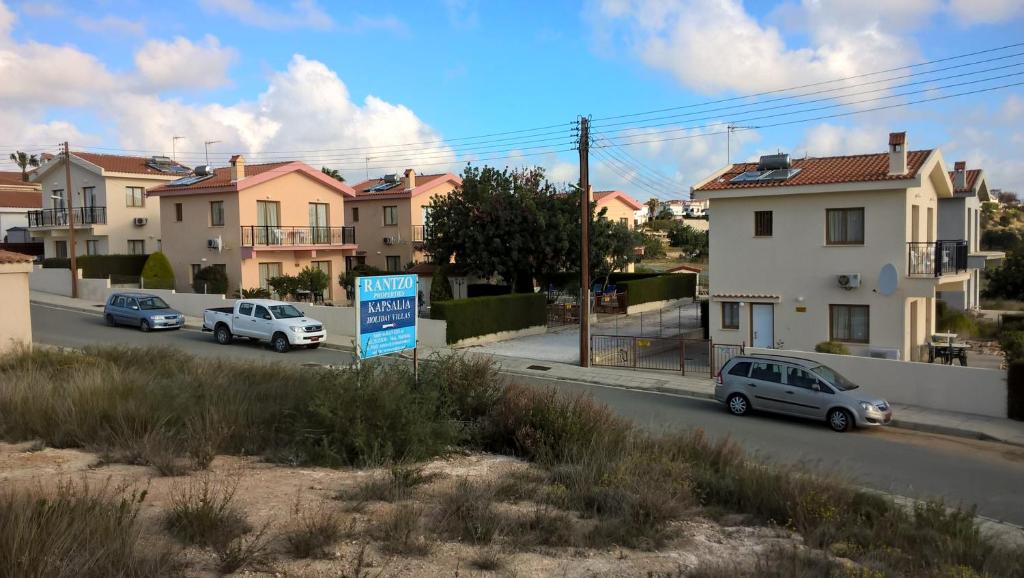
x=386 y=317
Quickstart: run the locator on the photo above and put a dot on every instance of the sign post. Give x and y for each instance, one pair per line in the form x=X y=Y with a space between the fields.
x=386 y=316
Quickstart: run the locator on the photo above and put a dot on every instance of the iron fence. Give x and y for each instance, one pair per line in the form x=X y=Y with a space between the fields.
x=81 y=216
x=696 y=357
x=560 y=314
x=936 y=258
x=263 y=235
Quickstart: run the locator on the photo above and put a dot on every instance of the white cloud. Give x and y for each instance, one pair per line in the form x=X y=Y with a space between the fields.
x=182 y=63
x=969 y=12
x=50 y=75
x=42 y=9
x=111 y=24
x=7 y=18
x=302 y=14
x=825 y=140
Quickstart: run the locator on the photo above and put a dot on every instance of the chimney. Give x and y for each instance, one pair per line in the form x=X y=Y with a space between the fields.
x=237 y=168
x=959 y=175
x=897 y=153
x=410 y=179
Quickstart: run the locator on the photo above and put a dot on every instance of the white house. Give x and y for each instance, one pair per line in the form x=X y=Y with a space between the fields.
x=17 y=198
x=839 y=249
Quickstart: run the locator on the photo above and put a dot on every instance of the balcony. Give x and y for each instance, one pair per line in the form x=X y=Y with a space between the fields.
x=264 y=237
x=936 y=258
x=81 y=216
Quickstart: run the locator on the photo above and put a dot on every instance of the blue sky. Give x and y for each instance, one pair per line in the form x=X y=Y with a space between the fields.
x=297 y=78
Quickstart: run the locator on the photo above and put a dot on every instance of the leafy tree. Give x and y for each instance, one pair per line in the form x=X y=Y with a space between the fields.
x=211 y=279
x=440 y=286
x=24 y=160
x=613 y=248
x=653 y=247
x=157 y=272
x=652 y=208
x=348 y=279
x=1008 y=198
x=1001 y=240
x=254 y=293
x=665 y=214
x=313 y=280
x=1007 y=282
x=285 y=285
x=689 y=239
x=333 y=173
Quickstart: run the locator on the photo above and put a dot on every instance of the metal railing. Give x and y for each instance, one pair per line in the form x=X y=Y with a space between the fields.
x=696 y=357
x=265 y=235
x=61 y=217
x=936 y=258
x=560 y=314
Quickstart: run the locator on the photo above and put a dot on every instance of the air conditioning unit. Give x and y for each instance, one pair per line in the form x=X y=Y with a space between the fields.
x=213 y=244
x=884 y=352
x=389 y=240
x=140 y=221
x=849 y=280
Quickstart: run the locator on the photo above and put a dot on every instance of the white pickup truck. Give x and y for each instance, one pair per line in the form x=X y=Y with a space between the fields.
x=281 y=324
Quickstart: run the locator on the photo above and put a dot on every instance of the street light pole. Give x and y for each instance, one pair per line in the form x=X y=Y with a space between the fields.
x=71 y=220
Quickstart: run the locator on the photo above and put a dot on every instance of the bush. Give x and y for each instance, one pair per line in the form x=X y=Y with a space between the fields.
x=348 y=279
x=1007 y=281
x=312 y=532
x=157 y=272
x=833 y=347
x=440 y=286
x=313 y=280
x=467 y=318
x=284 y=285
x=254 y=293
x=102 y=266
x=397 y=484
x=1015 y=391
x=401 y=531
x=212 y=279
x=659 y=288
x=486 y=290
x=1012 y=343
x=203 y=513
x=949 y=320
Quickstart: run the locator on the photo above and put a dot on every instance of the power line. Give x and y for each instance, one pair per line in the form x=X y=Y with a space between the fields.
x=658 y=182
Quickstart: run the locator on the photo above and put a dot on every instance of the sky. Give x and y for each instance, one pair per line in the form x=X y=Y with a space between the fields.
x=372 y=88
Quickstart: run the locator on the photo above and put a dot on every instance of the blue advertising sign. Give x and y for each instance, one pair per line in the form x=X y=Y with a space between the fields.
x=386 y=307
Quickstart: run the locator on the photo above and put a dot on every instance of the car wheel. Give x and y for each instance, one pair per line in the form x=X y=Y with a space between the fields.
x=223 y=335
x=840 y=420
x=110 y=320
x=280 y=343
x=312 y=346
x=738 y=404
x=144 y=326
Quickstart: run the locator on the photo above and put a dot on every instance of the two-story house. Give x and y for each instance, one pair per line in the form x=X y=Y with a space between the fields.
x=960 y=218
x=17 y=198
x=618 y=206
x=257 y=222
x=110 y=209
x=390 y=215
x=841 y=249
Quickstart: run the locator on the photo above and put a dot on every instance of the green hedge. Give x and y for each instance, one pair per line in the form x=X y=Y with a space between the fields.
x=478 y=316
x=1015 y=391
x=102 y=266
x=659 y=288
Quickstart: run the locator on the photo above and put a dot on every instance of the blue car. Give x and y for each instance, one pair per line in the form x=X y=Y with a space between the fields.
x=140 y=310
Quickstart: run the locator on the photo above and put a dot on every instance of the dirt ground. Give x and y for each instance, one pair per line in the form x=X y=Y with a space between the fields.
x=269 y=495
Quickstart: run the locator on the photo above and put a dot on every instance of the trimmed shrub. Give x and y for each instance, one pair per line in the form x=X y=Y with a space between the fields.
x=486 y=290
x=833 y=347
x=440 y=287
x=102 y=266
x=1012 y=343
x=485 y=315
x=659 y=288
x=211 y=279
x=1015 y=391
x=157 y=272
x=313 y=280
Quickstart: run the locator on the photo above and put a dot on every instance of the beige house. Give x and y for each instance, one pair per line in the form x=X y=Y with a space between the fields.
x=389 y=215
x=111 y=211
x=16 y=328
x=620 y=207
x=17 y=198
x=257 y=222
x=831 y=249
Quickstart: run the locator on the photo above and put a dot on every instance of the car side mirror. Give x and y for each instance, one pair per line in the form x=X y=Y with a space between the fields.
x=135 y=307
x=816 y=386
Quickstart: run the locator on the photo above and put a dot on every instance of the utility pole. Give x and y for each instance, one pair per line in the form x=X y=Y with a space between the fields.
x=174 y=141
x=71 y=220
x=584 y=147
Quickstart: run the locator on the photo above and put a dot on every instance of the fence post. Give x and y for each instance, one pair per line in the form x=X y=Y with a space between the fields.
x=682 y=355
x=711 y=358
x=634 y=352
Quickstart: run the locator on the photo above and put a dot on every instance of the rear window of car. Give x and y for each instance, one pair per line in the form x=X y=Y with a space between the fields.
x=742 y=369
x=120 y=301
x=766 y=372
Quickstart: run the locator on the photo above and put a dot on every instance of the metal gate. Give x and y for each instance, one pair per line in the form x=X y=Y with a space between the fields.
x=697 y=357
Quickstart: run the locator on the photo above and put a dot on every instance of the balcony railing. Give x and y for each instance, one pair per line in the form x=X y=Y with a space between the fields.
x=60 y=217
x=261 y=236
x=936 y=258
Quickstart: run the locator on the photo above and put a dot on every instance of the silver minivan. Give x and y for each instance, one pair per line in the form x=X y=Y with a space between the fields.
x=797 y=387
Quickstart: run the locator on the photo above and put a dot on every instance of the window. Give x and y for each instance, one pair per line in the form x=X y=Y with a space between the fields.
x=92 y=247
x=131 y=304
x=89 y=196
x=195 y=269
x=391 y=215
x=730 y=315
x=262 y=313
x=844 y=226
x=217 y=213
x=762 y=223
x=268 y=271
x=60 y=249
x=741 y=369
x=57 y=198
x=177 y=212
x=800 y=378
x=353 y=262
x=394 y=263
x=121 y=301
x=848 y=323
x=624 y=221
x=134 y=196
x=355 y=214
x=766 y=372
x=245 y=309
x=136 y=247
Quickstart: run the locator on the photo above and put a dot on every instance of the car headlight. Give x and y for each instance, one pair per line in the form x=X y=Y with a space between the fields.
x=867 y=406
x=296 y=328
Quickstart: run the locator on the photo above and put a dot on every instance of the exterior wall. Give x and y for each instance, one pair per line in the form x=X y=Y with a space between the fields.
x=185 y=242
x=618 y=211
x=371 y=231
x=16 y=329
x=12 y=217
x=798 y=267
x=960 y=218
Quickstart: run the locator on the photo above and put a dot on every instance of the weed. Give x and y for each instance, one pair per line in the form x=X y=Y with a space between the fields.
x=398 y=483
x=488 y=560
x=243 y=550
x=203 y=513
x=467 y=513
x=401 y=531
x=313 y=531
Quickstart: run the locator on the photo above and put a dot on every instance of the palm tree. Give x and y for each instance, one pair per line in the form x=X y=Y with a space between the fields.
x=24 y=160
x=333 y=173
x=652 y=208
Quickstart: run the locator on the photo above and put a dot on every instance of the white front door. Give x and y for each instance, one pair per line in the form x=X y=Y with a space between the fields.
x=762 y=327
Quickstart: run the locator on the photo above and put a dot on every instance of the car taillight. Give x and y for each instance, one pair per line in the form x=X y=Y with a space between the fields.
x=718 y=378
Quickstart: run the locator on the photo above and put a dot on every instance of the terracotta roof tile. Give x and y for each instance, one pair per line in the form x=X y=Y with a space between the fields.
x=221 y=178
x=122 y=164
x=421 y=180
x=21 y=199
x=8 y=257
x=603 y=197
x=823 y=171
x=972 y=180
x=13 y=178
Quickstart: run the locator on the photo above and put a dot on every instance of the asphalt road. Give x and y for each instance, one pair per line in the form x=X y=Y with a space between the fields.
x=918 y=465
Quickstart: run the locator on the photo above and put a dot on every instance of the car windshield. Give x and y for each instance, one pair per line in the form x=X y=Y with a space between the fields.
x=285 y=311
x=835 y=378
x=153 y=303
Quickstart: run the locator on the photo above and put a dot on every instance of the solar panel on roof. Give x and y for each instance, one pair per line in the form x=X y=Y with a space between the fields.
x=382 y=187
x=746 y=176
x=188 y=181
x=779 y=175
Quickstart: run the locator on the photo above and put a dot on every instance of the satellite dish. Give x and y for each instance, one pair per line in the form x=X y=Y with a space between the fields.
x=888 y=279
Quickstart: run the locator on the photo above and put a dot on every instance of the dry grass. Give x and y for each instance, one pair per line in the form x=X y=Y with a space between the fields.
x=401 y=531
x=396 y=484
x=203 y=513
x=312 y=531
